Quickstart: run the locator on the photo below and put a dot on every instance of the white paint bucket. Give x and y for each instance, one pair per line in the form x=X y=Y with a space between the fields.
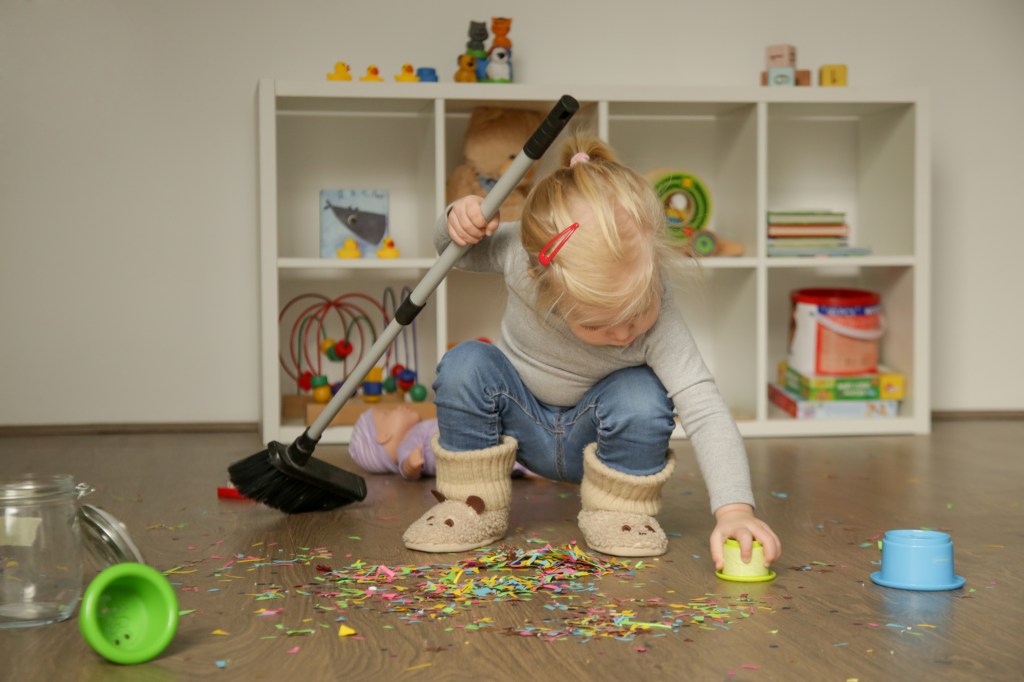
x=835 y=331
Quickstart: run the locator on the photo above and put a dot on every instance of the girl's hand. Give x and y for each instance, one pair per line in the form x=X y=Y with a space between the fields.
x=737 y=521
x=466 y=224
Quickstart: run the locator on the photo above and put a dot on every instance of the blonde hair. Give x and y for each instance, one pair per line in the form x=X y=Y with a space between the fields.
x=613 y=262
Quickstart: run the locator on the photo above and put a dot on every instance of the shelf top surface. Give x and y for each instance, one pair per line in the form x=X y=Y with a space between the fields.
x=427 y=93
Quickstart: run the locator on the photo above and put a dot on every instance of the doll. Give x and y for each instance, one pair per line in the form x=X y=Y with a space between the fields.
x=389 y=440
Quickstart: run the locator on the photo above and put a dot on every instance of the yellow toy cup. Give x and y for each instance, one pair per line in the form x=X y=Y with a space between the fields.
x=734 y=568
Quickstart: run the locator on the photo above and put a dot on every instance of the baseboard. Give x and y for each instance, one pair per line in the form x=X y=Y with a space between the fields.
x=976 y=415
x=123 y=429
x=253 y=427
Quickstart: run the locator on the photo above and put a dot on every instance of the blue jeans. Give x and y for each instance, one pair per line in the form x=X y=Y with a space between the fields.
x=480 y=397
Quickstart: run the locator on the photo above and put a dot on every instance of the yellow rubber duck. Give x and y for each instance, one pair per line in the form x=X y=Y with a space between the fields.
x=408 y=75
x=340 y=73
x=372 y=74
x=388 y=250
x=349 y=250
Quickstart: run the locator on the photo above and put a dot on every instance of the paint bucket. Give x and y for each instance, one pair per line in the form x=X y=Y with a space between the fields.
x=835 y=331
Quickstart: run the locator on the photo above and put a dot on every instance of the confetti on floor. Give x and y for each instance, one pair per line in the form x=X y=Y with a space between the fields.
x=565 y=578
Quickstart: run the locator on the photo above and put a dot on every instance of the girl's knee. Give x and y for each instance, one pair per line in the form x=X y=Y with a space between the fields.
x=647 y=395
x=638 y=400
x=465 y=364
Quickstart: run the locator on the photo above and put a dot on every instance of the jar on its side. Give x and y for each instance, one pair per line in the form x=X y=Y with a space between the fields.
x=40 y=550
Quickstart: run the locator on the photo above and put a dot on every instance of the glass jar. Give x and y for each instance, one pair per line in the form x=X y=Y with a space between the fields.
x=40 y=549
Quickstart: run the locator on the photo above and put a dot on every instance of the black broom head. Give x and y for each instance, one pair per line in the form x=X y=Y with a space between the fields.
x=272 y=477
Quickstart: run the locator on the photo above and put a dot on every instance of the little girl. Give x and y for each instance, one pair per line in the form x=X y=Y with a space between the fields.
x=593 y=357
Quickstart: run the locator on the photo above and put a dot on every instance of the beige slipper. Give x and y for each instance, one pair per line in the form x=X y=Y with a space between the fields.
x=619 y=509
x=474 y=489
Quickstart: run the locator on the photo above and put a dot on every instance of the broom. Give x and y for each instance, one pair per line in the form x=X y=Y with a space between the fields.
x=288 y=478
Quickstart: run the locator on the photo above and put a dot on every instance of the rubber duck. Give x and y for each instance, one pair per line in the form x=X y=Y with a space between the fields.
x=340 y=73
x=388 y=250
x=349 y=250
x=372 y=74
x=408 y=75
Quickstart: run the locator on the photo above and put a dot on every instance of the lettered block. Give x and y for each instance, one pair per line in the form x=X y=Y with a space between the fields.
x=832 y=75
x=803 y=77
x=780 y=55
x=781 y=76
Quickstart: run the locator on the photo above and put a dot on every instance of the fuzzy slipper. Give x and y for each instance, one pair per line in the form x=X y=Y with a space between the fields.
x=474 y=490
x=623 y=533
x=452 y=526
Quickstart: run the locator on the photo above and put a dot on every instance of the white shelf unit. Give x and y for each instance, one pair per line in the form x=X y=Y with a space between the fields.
x=861 y=151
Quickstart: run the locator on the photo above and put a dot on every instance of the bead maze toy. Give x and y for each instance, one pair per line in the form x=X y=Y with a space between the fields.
x=687 y=205
x=328 y=335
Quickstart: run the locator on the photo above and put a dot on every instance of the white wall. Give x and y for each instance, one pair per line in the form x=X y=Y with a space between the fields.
x=128 y=274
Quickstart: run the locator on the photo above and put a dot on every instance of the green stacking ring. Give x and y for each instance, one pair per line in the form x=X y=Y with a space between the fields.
x=129 y=613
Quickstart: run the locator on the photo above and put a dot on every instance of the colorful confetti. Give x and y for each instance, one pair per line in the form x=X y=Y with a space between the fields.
x=564 y=577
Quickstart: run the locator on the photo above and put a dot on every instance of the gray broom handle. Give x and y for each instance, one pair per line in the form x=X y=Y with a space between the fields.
x=414 y=302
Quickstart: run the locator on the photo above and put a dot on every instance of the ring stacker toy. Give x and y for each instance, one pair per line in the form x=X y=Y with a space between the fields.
x=129 y=611
x=287 y=477
x=736 y=570
x=917 y=560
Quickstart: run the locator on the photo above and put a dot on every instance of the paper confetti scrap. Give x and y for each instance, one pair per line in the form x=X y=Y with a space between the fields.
x=565 y=578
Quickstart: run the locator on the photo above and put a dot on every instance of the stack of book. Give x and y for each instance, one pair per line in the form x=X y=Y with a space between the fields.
x=810 y=233
x=863 y=396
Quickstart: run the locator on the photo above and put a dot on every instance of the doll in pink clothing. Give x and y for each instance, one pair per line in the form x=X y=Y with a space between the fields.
x=396 y=440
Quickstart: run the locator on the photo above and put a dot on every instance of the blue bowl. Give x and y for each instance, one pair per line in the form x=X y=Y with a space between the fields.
x=917 y=560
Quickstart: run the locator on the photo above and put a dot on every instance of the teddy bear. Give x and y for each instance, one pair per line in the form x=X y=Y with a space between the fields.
x=494 y=137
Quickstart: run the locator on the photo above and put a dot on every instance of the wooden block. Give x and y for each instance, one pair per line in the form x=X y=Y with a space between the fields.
x=780 y=55
x=803 y=77
x=353 y=409
x=294 y=406
x=781 y=76
x=832 y=75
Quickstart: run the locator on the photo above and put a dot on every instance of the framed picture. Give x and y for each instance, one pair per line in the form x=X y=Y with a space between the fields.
x=352 y=219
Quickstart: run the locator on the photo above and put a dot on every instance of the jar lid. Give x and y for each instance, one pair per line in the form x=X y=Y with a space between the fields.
x=107 y=538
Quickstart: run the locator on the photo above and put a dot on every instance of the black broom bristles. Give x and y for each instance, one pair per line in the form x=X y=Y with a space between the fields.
x=276 y=478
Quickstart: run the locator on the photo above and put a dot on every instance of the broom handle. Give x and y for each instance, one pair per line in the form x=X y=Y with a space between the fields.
x=417 y=299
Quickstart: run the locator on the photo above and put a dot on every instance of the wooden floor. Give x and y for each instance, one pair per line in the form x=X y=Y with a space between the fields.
x=821 y=619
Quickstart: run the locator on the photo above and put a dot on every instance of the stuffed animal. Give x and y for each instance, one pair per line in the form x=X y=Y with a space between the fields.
x=493 y=138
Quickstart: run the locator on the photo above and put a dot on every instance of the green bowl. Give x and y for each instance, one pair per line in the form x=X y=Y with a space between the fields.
x=129 y=613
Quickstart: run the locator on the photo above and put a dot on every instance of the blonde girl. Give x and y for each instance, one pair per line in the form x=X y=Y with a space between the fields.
x=593 y=361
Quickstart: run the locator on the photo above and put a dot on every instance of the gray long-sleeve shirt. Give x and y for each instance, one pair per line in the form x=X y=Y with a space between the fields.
x=559 y=368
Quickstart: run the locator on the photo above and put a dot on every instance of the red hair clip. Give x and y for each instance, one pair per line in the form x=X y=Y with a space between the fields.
x=547 y=254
